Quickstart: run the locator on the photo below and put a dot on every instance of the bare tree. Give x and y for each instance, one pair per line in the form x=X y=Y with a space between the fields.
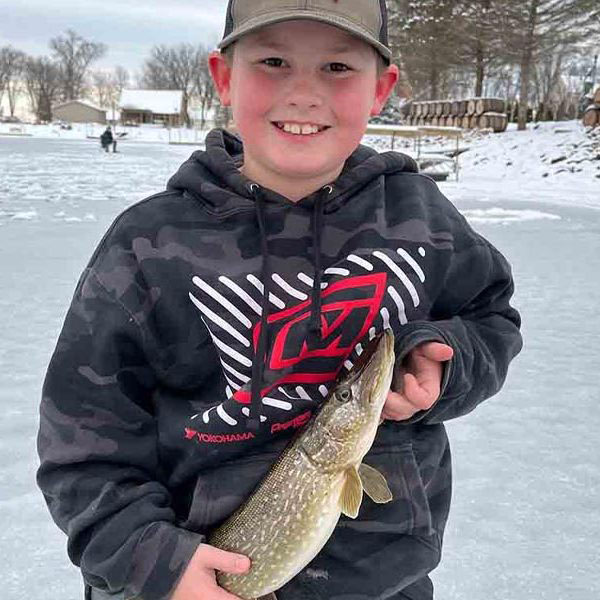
x=173 y=68
x=108 y=86
x=43 y=83
x=204 y=88
x=12 y=63
x=74 y=55
x=102 y=86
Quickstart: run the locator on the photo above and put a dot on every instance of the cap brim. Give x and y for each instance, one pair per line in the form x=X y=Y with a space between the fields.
x=291 y=15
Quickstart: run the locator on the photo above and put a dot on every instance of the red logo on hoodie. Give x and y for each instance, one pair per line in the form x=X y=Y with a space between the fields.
x=348 y=310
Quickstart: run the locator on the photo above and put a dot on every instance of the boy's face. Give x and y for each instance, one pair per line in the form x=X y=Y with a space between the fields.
x=301 y=75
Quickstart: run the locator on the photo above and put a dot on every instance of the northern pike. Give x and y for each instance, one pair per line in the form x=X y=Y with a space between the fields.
x=319 y=475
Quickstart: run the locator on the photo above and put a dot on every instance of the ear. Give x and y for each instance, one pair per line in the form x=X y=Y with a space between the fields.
x=385 y=84
x=220 y=71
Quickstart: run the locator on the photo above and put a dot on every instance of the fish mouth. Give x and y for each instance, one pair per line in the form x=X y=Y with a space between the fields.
x=378 y=357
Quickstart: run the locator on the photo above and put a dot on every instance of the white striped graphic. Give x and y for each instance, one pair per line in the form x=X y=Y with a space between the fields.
x=246 y=413
x=205 y=416
x=243 y=319
x=277 y=403
x=249 y=300
x=229 y=420
x=217 y=320
x=261 y=288
x=229 y=351
x=228 y=392
x=323 y=390
x=413 y=263
x=400 y=274
x=348 y=365
x=288 y=395
x=232 y=384
x=385 y=315
x=361 y=262
x=233 y=371
x=302 y=393
x=337 y=271
x=284 y=285
x=398 y=300
x=309 y=281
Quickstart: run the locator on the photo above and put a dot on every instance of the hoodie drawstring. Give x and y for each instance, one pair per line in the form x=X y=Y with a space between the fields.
x=317 y=231
x=258 y=364
x=314 y=329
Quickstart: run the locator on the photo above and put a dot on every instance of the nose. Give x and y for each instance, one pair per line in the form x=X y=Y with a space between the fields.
x=304 y=92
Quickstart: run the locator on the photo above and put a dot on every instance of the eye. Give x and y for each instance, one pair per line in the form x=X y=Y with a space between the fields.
x=338 y=67
x=344 y=395
x=273 y=62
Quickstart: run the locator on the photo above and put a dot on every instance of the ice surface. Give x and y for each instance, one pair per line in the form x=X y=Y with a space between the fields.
x=525 y=520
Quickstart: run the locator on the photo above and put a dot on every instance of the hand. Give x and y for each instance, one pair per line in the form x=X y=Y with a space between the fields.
x=420 y=383
x=199 y=581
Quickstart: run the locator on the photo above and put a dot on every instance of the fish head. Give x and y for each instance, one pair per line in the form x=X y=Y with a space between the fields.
x=349 y=417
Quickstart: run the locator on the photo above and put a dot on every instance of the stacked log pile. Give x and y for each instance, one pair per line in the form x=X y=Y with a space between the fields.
x=474 y=113
x=591 y=116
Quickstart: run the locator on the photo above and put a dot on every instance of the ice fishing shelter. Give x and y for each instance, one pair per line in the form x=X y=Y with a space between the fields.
x=156 y=107
x=79 y=111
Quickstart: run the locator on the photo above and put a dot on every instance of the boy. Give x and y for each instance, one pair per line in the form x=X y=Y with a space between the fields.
x=214 y=317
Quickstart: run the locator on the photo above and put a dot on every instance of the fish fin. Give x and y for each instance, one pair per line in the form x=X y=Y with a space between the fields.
x=374 y=484
x=352 y=493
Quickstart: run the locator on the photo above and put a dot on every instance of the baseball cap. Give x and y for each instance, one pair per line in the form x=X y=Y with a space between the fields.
x=366 y=19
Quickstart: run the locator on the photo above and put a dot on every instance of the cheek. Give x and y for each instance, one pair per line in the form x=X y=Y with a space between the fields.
x=354 y=101
x=253 y=94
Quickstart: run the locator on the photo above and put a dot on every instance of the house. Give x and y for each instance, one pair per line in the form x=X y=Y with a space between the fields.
x=79 y=111
x=162 y=107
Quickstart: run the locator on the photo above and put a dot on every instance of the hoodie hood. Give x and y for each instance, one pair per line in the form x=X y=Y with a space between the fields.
x=213 y=175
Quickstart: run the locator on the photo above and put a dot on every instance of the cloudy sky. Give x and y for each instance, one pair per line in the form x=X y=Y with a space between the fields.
x=128 y=27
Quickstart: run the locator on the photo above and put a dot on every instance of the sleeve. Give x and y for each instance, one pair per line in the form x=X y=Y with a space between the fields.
x=99 y=466
x=473 y=315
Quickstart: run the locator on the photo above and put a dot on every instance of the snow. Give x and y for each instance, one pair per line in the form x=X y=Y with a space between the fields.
x=525 y=519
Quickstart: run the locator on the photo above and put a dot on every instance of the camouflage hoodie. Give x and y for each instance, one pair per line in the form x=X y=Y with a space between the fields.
x=151 y=433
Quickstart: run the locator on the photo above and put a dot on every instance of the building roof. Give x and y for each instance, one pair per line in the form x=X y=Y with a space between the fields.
x=163 y=102
x=83 y=102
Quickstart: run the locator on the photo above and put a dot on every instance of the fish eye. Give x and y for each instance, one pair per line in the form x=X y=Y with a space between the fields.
x=344 y=395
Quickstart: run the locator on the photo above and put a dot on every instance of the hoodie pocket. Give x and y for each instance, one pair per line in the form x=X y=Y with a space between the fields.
x=408 y=512
x=221 y=490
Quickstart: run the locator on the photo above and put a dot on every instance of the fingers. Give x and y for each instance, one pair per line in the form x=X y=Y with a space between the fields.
x=221 y=560
x=436 y=351
x=400 y=406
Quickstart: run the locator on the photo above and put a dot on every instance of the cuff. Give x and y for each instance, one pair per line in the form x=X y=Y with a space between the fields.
x=159 y=560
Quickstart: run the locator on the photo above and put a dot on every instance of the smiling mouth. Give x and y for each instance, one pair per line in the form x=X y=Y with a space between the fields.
x=300 y=129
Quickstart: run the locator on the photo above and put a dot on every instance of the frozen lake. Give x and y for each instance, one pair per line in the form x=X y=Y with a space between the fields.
x=525 y=521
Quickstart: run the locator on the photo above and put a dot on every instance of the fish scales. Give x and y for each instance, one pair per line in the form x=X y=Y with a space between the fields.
x=292 y=513
x=297 y=497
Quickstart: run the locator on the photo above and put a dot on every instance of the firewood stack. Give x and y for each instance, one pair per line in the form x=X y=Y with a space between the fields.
x=591 y=116
x=475 y=113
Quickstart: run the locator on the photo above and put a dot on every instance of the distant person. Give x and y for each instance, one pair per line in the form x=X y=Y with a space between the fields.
x=106 y=139
x=214 y=316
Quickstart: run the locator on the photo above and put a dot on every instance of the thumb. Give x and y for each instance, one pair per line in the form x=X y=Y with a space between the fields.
x=221 y=560
x=437 y=351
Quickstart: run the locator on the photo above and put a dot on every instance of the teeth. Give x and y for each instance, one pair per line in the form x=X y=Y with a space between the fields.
x=296 y=129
